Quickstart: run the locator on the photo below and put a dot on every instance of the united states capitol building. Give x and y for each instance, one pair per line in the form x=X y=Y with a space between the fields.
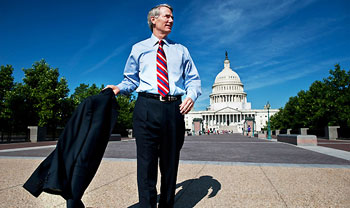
x=229 y=110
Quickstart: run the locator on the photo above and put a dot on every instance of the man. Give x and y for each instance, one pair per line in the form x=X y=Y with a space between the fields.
x=161 y=71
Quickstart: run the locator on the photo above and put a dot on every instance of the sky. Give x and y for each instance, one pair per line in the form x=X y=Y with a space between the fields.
x=277 y=47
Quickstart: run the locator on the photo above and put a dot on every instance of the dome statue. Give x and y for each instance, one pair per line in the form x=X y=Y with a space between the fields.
x=227 y=74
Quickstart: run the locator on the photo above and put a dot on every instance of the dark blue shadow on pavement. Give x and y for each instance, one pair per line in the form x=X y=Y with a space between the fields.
x=193 y=191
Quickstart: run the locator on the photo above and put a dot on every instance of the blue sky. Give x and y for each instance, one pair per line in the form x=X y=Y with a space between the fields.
x=278 y=47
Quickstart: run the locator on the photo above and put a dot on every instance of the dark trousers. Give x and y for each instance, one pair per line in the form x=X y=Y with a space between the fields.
x=159 y=130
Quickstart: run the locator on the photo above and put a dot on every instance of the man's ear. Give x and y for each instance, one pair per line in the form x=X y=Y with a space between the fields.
x=153 y=19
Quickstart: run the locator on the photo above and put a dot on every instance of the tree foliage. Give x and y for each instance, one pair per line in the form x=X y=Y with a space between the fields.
x=84 y=91
x=125 y=113
x=16 y=109
x=6 y=78
x=6 y=85
x=46 y=93
x=326 y=103
x=42 y=100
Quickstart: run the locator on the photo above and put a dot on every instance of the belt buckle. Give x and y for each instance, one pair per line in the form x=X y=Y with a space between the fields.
x=162 y=99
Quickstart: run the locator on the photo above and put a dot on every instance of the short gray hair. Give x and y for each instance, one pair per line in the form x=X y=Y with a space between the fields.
x=154 y=12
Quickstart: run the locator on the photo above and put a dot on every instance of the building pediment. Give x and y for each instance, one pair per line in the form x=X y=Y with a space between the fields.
x=227 y=110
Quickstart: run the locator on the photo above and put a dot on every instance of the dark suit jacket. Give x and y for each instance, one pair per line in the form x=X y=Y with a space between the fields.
x=69 y=169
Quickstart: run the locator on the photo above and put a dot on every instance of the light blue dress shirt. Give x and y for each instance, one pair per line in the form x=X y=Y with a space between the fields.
x=140 y=71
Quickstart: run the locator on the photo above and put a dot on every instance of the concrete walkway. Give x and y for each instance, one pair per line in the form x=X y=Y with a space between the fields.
x=215 y=171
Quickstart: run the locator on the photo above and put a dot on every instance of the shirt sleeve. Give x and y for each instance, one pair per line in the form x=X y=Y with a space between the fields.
x=191 y=78
x=131 y=74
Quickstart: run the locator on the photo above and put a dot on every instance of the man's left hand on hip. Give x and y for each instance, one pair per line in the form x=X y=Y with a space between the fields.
x=186 y=106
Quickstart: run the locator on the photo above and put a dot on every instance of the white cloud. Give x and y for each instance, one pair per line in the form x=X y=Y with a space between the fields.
x=288 y=72
x=269 y=42
x=117 y=51
x=228 y=21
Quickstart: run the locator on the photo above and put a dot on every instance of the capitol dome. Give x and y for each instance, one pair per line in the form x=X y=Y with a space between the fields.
x=228 y=90
x=227 y=75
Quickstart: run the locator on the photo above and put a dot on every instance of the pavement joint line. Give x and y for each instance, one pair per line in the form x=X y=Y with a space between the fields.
x=345 y=155
x=293 y=165
x=7 y=188
x=108 y=183
x=332 y=143
x=273 y=186
x=214 y=142
x=329 y=151
x=195 y=162
x=27 y=148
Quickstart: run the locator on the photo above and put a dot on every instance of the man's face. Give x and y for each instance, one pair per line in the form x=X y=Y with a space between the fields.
x=164 y=22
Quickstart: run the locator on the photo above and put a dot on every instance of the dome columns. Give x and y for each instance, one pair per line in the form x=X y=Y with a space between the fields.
x=228 y=98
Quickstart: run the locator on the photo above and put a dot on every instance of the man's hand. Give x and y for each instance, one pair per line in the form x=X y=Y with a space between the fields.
x=115 y=89
x=186 y=106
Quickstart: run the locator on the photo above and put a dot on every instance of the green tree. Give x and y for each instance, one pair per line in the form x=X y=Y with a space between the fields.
x=46 y=93
x=16 y=109
x=125 y=112
x=338 y=92
x=6 y=78
x=326 y=103
x=6 y=86
x=83 y=91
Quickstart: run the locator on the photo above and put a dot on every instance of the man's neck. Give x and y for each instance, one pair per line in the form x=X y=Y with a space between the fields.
x=160 y=36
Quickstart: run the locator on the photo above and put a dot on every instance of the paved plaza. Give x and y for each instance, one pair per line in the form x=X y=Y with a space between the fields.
x=215 y=171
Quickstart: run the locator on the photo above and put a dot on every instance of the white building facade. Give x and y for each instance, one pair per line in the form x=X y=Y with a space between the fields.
x=229 y=109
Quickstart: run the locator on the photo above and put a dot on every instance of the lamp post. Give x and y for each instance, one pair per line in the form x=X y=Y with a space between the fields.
x=268 y=106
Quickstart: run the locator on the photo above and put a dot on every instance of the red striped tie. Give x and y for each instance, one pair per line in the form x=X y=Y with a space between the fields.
x=162 y=71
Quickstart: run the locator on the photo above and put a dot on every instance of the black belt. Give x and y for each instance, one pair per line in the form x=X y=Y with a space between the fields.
x=168 y=98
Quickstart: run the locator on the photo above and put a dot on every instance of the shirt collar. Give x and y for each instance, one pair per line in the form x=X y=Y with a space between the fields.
x=155 y=40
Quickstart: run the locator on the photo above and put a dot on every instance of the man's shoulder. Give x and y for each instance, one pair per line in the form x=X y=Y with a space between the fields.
x=175 y=43
x=142 y=46
x=179 y=47
x=144 y=43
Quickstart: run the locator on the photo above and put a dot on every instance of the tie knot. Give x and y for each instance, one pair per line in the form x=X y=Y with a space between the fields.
x=161 y=43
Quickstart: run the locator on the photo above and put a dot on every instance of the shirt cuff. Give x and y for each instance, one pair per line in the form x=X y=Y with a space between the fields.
x=122 y=87
x=192 y=96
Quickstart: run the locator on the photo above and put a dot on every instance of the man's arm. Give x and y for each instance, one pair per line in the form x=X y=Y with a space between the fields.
x=131 y=76
x=192 y=84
